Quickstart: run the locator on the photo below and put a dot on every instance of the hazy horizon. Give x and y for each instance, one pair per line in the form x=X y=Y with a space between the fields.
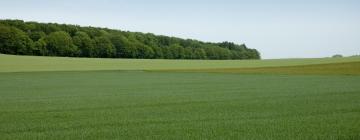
x=281 y=29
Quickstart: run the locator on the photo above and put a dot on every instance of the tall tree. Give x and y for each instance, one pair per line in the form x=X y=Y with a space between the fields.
x=40 y=47
x=104 y=47
x=158 y=52
x=85 y=44
x=120 y=42
x=199 y=53
x=145 y=51
x=14 y=41
x=60 y=43
x=177 y=51
x=36 y=35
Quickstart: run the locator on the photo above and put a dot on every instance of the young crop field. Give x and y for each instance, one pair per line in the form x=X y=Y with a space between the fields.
x=13 y=63
x=87 y=98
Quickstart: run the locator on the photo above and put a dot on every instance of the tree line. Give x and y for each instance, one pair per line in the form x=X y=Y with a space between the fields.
x=51 y=39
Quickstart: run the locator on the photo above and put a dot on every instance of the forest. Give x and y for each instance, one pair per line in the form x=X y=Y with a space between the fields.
x=52 y=39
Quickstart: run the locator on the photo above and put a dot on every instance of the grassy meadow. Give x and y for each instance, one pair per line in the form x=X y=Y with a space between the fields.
x=88 y=98
x=348 y=68
x=13 y=63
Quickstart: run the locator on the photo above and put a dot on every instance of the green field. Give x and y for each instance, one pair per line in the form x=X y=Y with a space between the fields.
x=12 y=63
x=82 y=98
x=347 y=68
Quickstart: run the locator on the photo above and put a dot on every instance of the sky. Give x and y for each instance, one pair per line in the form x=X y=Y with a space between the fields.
x=276 y=28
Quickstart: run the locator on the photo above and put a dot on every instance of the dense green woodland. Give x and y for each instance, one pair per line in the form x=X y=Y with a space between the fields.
x=51 y=39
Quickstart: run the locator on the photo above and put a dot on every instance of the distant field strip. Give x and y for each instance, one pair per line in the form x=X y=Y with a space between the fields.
x=349 y=68
x=12 y=63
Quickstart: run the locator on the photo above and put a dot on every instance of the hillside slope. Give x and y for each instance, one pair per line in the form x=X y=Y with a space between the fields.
x=13 y=63
x=347 y=68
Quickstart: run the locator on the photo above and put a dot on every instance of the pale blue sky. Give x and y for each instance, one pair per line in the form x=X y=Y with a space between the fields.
x=277 y=28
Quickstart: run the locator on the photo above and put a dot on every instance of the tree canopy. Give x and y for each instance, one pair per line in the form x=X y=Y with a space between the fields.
x=51 y=39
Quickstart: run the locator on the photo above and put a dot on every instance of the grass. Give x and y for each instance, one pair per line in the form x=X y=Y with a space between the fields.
x=349 y=68
x=12 y=63
x=72 y=98
x=151 y=105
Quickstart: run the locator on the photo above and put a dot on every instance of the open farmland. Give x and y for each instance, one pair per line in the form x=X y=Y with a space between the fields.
x=13 y=63
x=82 y=98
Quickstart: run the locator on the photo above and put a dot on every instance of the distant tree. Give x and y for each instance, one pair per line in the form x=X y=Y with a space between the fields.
x=150 y=40
x=177 y=51
x=337 y=56
x=199 y=53
x=158 y=52
x=167 y=53
x=145 y=51
x=254 y=54
x=189 y=53
x=84 y=43
x=228 y=45
x=235 y=55
x=104 y=47
x=120 y=42
x=163 y=40
x=36 y=35
x=211 y=52
x=40 y=47
x=70 y=29
x=50 y=28
x=19 y=24
x=14 y=41
x=60 y=43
